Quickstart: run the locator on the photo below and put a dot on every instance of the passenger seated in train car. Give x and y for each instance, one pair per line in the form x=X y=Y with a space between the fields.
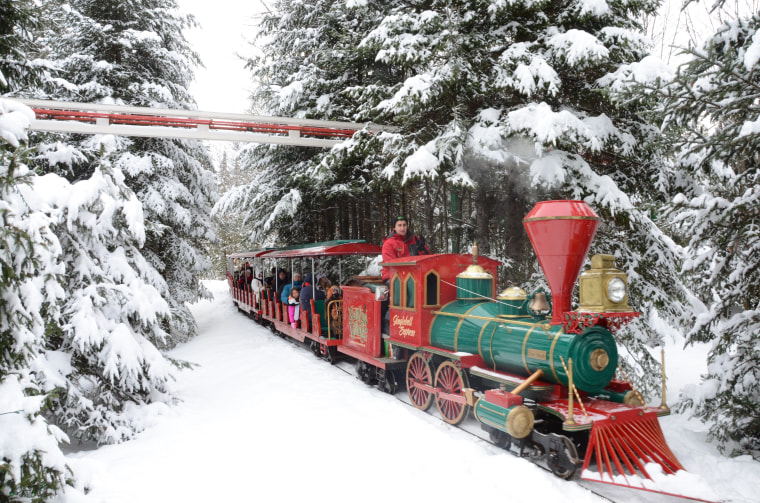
x=334 y=293
x=334 y=311
x=257 y=285
x=308 y=292
x=283 y=278
x=323 y=284
x=269 y=280
x=244 y=281
x=294 y=306
x=286 y=290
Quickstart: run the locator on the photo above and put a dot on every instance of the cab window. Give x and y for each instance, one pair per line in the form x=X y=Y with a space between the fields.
x=432 y=285
x=411 y=287
x=396 y=291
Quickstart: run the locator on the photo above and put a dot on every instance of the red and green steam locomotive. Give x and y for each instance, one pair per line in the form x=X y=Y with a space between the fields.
x=538 y=376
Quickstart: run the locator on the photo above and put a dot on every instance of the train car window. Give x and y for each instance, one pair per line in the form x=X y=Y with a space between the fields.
x=396 y=291
x=432 y=290
x=411 y=290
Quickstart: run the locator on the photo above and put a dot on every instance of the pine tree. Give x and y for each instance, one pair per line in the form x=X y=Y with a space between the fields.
x=33 y=466
x=310 y=67
x=501 y=103
x=133 y=53
x=113 y=313
x=711 y=113
x=132 y=215
x=18 y=23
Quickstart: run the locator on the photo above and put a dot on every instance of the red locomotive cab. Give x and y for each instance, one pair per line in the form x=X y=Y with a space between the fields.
x=421 y=285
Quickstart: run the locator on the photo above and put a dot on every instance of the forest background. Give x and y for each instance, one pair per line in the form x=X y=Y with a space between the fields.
x=497 y=104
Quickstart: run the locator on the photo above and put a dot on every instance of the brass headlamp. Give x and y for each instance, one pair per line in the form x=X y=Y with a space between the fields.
x=604 y=288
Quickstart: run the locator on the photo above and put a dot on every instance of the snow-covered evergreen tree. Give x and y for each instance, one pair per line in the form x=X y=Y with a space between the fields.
x=133 y=53
x=106 y=354
x=32 y=465
x=309 y=66
x=712 y=116
x=132 y=216
x=18 y=23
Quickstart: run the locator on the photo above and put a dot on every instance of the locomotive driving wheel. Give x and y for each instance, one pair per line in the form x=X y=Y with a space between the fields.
x=419 y=376
x=450 y=382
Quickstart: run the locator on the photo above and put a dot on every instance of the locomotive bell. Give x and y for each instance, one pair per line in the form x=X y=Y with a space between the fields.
x=561 y=233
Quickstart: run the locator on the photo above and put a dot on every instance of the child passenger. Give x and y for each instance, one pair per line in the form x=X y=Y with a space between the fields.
x=294 y=306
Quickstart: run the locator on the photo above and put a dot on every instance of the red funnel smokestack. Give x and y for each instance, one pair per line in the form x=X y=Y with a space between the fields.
x=561 y=234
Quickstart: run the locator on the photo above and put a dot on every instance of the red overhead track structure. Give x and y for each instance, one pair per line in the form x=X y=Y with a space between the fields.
x=97 y=118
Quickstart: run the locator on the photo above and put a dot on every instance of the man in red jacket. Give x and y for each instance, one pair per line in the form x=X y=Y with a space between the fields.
x=402 y=243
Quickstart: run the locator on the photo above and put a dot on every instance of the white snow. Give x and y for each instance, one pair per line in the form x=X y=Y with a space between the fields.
x=752 y=55
x=264 y=420
x=14 y=119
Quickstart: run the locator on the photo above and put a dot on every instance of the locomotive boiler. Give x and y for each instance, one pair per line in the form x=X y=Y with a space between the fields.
x=513 y=335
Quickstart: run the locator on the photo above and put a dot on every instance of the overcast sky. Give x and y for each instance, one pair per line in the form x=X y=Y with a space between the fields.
x=226 y=25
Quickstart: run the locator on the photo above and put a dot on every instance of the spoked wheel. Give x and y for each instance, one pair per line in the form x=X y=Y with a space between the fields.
x=562 y=460
x=418 y=376
x=450 y=382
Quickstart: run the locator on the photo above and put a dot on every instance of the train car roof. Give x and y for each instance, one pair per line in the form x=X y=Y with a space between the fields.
x=326 y=249
x=250 y=254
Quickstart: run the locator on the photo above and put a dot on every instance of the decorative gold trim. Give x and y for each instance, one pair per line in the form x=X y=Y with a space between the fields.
x=461 y=320
x=480 y=338
x=409 y=278
x=475 y=271
x=551 y=355
x=543 y=326
x=513 y=293
x=400 y=291
x=490 y=343
x=497 y=412
x=524 y=344
x=520 y=421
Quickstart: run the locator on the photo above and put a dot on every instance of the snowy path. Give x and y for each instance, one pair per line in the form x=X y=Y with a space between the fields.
x=264 y=420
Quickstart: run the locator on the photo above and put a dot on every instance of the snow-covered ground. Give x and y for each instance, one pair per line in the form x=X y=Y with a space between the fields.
x=264 y=420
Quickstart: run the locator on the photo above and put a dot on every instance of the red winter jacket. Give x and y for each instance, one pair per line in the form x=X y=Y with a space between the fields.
x=396 y=245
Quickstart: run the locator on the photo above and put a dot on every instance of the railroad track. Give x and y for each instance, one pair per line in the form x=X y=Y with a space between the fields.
x=471 y=427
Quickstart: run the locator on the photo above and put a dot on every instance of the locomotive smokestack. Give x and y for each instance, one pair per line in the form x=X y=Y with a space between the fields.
x=561 y=233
